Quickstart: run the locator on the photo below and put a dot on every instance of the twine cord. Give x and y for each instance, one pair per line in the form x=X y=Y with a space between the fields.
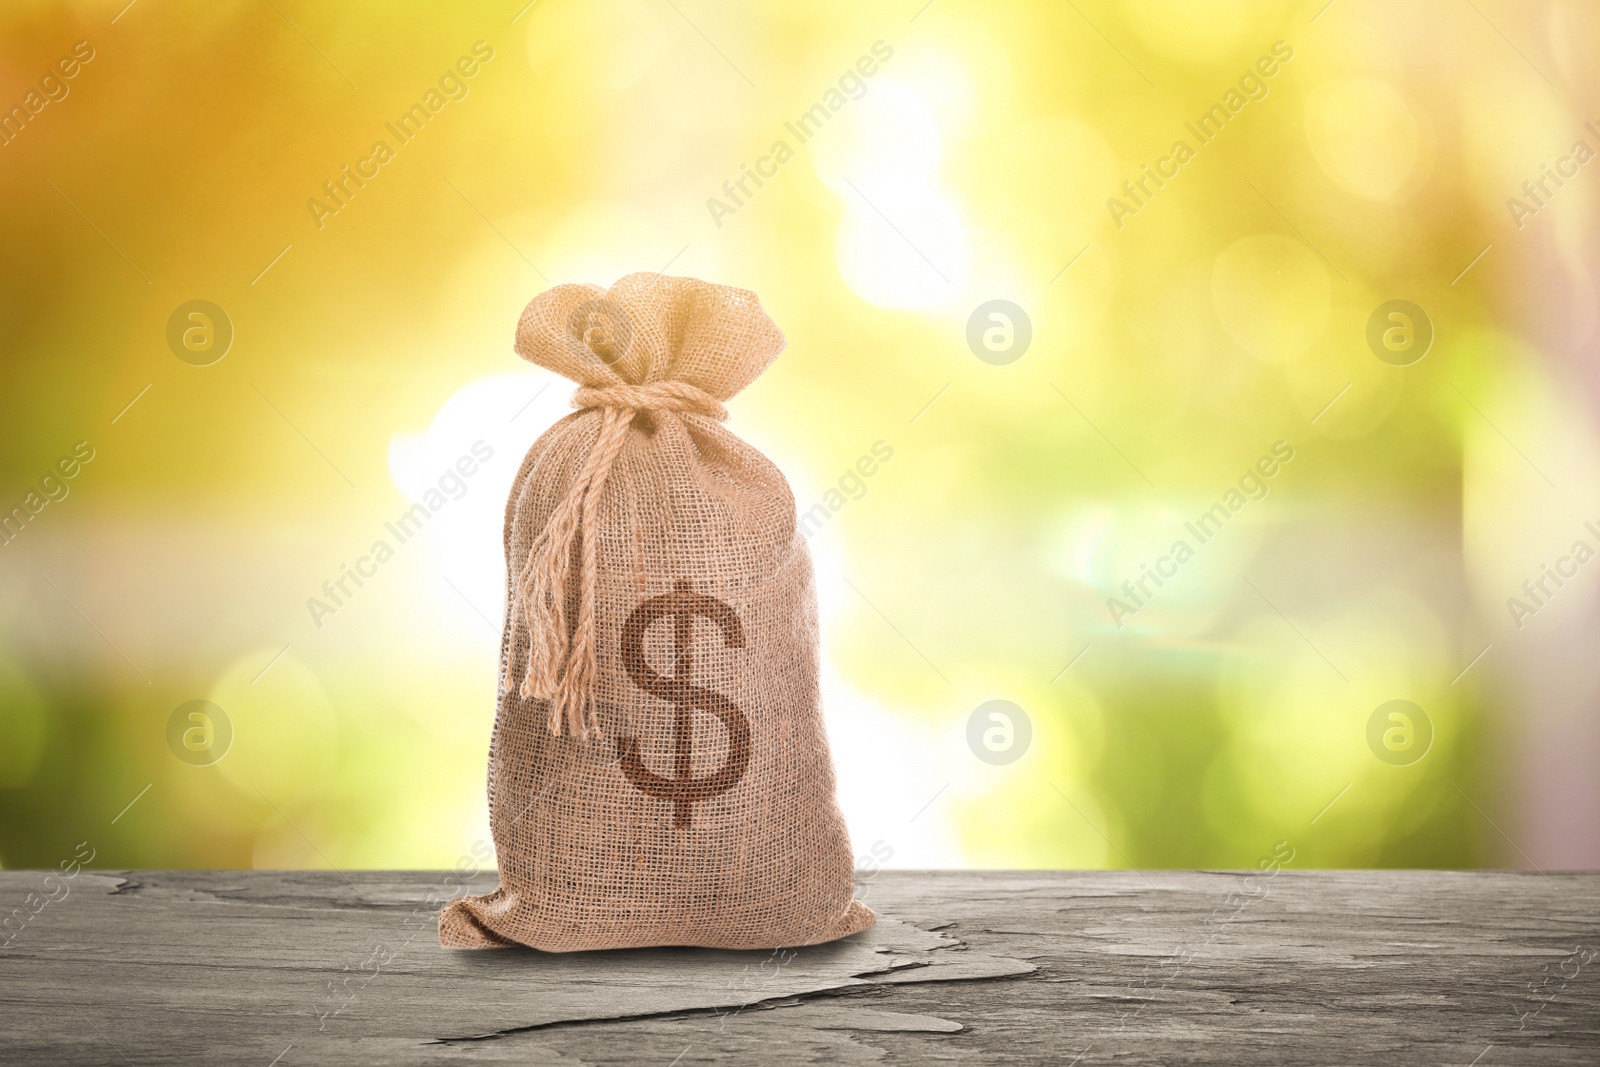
x=562 y=654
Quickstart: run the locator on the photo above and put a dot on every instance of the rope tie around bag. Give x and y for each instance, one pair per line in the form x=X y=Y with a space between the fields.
x=562 y=666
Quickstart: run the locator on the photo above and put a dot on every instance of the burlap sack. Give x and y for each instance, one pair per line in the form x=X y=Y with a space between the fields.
x=659 y=773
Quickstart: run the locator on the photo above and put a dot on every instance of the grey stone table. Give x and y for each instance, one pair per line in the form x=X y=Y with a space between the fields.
x=1159 y=967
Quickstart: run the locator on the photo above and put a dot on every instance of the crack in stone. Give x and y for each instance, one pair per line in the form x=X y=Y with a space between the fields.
x=237 y=896
x=861 y=988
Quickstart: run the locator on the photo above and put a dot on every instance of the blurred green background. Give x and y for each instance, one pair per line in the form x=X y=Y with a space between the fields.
x=1171 y=347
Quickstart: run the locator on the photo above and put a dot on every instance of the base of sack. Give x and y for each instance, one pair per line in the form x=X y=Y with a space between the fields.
x=503 y=919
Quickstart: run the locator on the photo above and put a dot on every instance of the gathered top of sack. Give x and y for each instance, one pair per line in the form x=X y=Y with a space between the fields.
x=649 y=343
x=649 y=329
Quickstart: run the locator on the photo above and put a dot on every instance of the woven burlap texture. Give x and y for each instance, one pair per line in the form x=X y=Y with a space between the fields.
x=659 y=772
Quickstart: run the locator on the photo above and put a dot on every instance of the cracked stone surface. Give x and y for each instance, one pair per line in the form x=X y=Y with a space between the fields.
x=314 y=967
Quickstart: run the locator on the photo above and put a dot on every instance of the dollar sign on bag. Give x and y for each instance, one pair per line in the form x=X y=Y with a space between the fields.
x=682 y=788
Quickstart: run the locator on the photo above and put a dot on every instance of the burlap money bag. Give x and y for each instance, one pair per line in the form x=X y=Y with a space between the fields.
x=659 y=773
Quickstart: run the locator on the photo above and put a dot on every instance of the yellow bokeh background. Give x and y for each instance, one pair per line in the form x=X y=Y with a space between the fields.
x=955 y=154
